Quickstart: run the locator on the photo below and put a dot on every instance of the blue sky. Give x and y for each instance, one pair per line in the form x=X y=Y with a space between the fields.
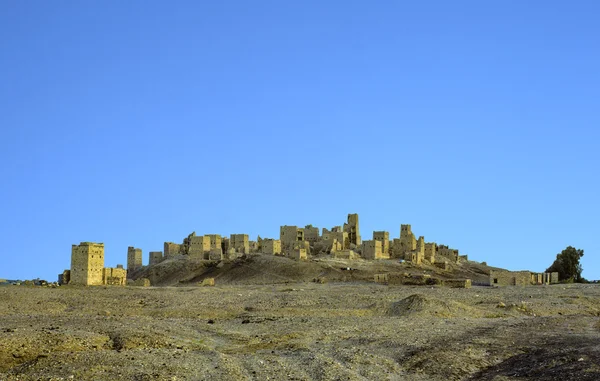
x=134 y=123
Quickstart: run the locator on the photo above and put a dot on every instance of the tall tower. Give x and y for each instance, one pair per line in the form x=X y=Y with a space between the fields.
x=87 y=263
x=352 y=229
x=134 y=258
x=408 y=242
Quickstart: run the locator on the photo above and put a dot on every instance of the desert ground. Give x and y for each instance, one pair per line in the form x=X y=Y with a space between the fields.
x=300 y=331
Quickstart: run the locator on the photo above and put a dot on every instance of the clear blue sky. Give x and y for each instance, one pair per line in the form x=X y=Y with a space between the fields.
x=137 y=122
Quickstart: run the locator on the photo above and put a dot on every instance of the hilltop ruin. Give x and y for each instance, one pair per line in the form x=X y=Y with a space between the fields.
x=297 y=243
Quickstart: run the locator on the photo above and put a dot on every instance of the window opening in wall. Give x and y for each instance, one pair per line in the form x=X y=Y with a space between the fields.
x=495 y=280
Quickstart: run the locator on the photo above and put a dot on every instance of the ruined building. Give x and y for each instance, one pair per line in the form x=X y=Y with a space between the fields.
x=134 y=258
x=372 y=250
x=155 y=257
x=171 y=249
x=500 y=278
x=352 y=229
x=240 y=243
x=271 y=246
x=384 y=238
x=87 y=267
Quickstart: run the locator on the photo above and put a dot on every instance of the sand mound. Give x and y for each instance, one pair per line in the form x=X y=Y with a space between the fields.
x=421 y=305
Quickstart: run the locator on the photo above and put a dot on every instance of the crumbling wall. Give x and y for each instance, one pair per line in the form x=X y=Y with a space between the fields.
x=335 y=240
x=509 y=278
x=345 y=254
x=457 y=283
x=114 y=276
x=446 y=252
x=64 y=277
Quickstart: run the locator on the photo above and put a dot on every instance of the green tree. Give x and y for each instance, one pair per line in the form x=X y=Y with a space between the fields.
x=567 y=265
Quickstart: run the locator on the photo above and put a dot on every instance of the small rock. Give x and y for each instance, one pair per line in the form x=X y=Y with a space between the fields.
x=501 y=305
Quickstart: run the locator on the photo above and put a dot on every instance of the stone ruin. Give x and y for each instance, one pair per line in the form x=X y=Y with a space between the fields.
x=297 y=243
x=87 y=267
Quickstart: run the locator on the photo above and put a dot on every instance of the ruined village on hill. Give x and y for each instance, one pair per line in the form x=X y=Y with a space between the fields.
x=297 y=244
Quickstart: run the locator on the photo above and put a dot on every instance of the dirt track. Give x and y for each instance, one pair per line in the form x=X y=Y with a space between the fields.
x=303 y=331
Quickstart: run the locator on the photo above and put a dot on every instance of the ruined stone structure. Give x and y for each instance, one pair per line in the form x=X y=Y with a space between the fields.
x=134 y=258
x=408 y=242
x=64 y=277
x=87 y=263
x=311 y=234
x=298 y=254
x=457 y=283
x=114 y=276
x=430 y=249
x=345 y=254
x=520 y=278
x=351 y=227
x=288 y=235
x=372 y=250
x=171 y=249
x=87 y=267
x=215 y=241
x=199 y=246
x=271 y=246
x=342 y=242
x=335 y=240
x=215 y=254
x=155 y=257
x=226 y=245
x=384 y=238
x=445 y=251
x=292 y=237
x=240 y=243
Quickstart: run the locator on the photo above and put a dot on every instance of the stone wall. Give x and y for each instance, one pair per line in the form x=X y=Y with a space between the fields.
x=510 y=278
x=114 y=276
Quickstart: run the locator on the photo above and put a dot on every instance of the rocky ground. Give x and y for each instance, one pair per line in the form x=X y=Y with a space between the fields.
x=300 y=331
